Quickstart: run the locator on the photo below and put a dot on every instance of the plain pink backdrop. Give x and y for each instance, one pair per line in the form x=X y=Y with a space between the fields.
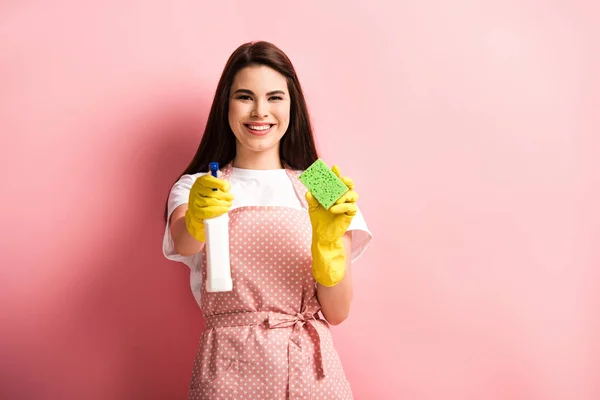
x=470 y=129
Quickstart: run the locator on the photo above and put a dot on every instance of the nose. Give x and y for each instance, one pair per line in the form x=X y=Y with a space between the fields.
x=260 y=110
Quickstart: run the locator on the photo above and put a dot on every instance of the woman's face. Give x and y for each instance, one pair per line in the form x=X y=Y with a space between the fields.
x=259 y=108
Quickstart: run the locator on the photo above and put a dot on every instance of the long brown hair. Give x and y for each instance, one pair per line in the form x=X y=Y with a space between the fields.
x=297 y=146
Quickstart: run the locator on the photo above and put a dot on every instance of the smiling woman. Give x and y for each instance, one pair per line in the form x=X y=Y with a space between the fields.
x=266 y=337
x=259 y=115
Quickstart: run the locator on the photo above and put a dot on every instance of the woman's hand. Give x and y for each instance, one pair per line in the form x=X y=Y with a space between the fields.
x=328 y=228
x=209 y=198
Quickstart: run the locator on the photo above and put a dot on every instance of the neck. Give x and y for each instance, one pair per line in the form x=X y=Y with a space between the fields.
x=247 y=159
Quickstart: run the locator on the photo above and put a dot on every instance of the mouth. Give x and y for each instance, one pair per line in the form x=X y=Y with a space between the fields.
x=259 y=128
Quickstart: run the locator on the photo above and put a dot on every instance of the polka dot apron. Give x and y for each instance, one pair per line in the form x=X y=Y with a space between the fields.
x=264 y=339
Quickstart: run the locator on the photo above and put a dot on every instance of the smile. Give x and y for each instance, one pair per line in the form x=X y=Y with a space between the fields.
x=259 y=129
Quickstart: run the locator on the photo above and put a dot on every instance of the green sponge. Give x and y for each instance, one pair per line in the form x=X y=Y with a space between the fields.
x=324 y=185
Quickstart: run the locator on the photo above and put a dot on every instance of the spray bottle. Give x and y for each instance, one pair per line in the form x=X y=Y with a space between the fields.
x=217 y=249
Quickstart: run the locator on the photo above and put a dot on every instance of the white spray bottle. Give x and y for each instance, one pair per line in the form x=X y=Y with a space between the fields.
x=217 y=249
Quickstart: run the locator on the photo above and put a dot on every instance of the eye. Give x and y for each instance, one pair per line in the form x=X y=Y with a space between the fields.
x=244 y=97
x=276 y=98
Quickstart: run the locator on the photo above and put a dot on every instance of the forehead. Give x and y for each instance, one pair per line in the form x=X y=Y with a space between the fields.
x=259 y=78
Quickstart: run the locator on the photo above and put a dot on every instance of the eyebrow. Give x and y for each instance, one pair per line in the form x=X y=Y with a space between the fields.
x=252 y=93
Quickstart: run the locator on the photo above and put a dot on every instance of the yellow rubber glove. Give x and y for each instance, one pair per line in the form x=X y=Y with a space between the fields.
x=328 y=228
x=204 y=202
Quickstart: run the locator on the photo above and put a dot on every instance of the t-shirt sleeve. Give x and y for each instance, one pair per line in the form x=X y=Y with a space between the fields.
x=179 y=195
x=361 y=235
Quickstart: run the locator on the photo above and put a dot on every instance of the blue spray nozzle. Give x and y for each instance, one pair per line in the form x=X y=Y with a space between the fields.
x=214 y=168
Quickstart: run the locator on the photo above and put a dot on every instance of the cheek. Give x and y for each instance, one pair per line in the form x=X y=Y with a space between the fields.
x=283 y=113
x=236 y=111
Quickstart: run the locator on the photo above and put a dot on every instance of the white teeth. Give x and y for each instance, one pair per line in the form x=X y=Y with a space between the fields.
x=259 y=127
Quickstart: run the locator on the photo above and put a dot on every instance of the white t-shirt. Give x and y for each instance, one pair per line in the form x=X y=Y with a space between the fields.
x=250 y=188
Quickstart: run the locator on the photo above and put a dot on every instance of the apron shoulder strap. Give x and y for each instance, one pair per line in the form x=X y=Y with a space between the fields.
x=226 y=171
x=298 y=186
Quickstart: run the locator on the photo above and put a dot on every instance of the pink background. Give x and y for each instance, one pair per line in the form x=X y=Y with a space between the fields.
x=471 y=131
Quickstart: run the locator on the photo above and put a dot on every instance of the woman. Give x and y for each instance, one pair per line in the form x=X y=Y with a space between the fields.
x=290 y=258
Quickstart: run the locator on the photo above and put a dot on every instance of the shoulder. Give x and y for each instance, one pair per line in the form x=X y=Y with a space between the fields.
x=181 y=189
x=186 y=181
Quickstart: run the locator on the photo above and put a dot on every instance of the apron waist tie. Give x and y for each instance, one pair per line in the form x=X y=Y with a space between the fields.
x=276 y=320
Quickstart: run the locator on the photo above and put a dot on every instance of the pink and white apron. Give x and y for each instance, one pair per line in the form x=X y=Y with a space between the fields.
x=265 y=340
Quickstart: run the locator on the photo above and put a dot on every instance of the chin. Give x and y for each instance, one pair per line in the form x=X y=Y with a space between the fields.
x=260 y=147
x=259 y=144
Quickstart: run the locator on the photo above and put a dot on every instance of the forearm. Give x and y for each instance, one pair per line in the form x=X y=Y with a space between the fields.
x=335 y=300
x=185 y=244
